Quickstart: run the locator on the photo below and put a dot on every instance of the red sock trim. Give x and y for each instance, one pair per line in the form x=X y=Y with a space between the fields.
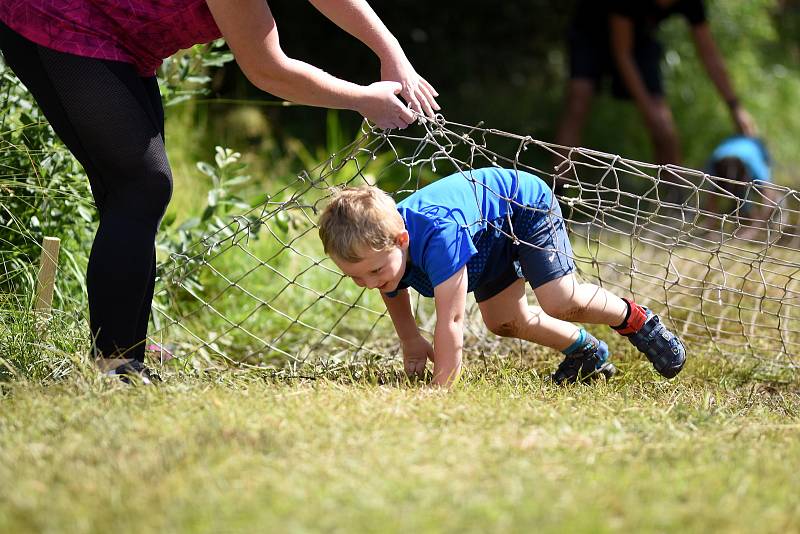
x=635 y=321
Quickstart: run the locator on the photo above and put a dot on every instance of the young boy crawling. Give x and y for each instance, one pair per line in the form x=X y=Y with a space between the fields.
x=457 y=235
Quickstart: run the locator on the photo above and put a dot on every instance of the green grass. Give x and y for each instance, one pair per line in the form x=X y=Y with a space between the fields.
x=715 y=449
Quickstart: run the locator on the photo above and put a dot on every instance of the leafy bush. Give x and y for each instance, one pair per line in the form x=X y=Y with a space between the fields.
x=44 y=193
x=186 y=74
x=44 y=190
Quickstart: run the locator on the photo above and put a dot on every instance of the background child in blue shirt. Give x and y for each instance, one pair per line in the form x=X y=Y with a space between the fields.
x=746 y=160
x=488 y=231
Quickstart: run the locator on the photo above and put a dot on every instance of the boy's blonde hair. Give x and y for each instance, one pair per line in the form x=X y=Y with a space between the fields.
x=357 y=217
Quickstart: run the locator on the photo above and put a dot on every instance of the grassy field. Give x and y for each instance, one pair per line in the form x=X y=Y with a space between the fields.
x=233 y=451
x=240 y=450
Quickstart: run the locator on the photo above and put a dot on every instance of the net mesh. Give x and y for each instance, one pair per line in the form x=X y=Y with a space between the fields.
x=715 y=257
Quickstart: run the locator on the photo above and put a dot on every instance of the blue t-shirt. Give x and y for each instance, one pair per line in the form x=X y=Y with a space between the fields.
x=750 y=151
x=456 y=220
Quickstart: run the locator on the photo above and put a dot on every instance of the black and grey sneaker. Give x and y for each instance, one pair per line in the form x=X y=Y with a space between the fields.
x=586 y=365
x=647 y=333
x=663 y=348
x=134 y=372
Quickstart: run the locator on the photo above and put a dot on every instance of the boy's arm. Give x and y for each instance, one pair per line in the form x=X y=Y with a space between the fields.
x=399 y=308
x=448 y=337
x=416 y=349
x=715 y=66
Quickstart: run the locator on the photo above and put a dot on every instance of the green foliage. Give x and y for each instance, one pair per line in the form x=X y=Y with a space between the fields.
x=224 y=174
x=39 y=349
x=186 y=74
x=184 y=241
x=44 y=193
x=44 y=189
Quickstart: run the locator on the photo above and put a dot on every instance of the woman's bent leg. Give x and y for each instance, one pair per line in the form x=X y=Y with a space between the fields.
x=104 y=113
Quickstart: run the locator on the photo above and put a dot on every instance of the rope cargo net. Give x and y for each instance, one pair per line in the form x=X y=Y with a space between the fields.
x=260 y=290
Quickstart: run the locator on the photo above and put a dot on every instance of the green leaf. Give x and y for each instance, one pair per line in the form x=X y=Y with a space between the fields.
x=237 y=180
x=213 y=197
x=177 y=100
x=282 y=221
x=198 y=79
x=207 y=213
x=168 y=219
x=85 y=213
x=217 y=59
x=225 y=156
x=206 y=169
x=189 y=224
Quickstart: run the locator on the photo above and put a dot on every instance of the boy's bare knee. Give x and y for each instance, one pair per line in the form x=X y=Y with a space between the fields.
x=565 y=311
x=506 y=329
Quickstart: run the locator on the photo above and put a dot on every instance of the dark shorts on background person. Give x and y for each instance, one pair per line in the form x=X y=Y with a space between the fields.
x=543 y=253
x=590 y=59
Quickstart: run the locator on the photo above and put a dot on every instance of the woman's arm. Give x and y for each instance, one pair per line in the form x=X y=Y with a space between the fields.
x=250 y=30
x=715 y=66
x=357 y=18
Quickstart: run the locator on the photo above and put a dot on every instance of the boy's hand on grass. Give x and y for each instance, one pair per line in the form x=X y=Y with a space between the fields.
x=416 y=352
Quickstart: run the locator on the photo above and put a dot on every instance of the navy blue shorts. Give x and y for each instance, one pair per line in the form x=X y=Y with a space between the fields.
x=543 y=253
x=590 y=59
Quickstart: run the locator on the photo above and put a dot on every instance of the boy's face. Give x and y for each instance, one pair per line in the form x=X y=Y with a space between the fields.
x=378 y=269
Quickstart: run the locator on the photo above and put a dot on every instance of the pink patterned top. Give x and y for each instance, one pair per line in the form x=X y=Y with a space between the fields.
x=142 y=32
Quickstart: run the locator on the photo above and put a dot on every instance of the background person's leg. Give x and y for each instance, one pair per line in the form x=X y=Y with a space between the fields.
x=577 y=105
x=103 y=111
x=588 y=61
x=661 y=126
x=656 y=112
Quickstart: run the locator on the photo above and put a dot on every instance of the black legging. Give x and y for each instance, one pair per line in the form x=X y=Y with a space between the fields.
x=112 y=120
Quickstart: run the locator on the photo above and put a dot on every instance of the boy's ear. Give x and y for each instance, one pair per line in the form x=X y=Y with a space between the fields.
x=402 y=239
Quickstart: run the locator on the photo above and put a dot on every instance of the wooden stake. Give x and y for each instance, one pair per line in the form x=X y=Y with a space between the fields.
x=47 y=274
